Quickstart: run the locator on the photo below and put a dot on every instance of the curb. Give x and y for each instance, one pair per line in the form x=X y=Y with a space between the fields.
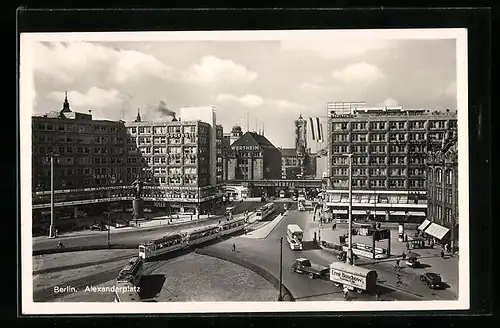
x=253 y=267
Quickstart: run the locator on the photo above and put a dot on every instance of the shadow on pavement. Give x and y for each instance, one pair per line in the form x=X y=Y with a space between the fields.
x=309 y=245
x=423 y=266
x=151 y=286
x=318 y=295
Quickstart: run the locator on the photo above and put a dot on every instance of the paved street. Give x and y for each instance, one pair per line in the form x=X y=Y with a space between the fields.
x=134 y=236
x=265 y=253
x=430 y=258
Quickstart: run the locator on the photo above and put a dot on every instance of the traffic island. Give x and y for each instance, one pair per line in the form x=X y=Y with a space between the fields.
x=287 y=295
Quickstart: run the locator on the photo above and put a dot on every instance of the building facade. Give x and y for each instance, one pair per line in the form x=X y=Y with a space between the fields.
x=253 y=157
x=442 y=190
x=388 y=146
x=179 y=163
x=90 y=158
x=97 y=161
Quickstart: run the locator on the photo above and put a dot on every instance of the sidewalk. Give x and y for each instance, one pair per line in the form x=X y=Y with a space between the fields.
x=154 y=222
x=262 y=231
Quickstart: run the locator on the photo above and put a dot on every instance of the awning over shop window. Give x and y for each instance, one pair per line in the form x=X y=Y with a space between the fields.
x=437 y=231
x=424 y=225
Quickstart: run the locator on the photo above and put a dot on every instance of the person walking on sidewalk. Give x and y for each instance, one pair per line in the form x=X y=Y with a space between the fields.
x=234 y=247
x=442 y=254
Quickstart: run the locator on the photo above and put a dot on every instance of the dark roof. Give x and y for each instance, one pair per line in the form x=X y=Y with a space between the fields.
x=253 y=139
x=288 y=152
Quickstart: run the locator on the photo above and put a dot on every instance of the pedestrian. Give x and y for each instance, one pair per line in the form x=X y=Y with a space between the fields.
x=396 y=266
x=403 y=256
x=377 y=294
x=442 y=254
x=234 y=247
x=407 y=246
x=399 y=282
x=346 y=293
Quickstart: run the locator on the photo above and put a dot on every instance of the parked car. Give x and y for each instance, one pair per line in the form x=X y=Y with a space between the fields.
x=413 y=263
x=98 y=227
x=433 y=280
x=304 y=266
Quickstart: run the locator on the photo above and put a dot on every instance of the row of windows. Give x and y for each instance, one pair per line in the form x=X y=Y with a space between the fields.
x=437 y=193
x=393 y=137
x=379 y=183
x=437 y=176
x=394 y=125
x=78 y=128
x=436 y=211
x=165 y=129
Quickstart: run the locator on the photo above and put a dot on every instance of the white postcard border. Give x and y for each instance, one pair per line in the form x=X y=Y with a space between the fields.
x=27 y=96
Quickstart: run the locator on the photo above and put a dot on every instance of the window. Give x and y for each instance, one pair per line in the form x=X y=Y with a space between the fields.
x=439 y=175
x=449 y=196
x=439 y=194
x=439 y=213
x=449 y=177
x=447 y=215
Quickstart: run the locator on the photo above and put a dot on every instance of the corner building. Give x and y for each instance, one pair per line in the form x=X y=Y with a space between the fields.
x=89 y=164
x=389 y=146
x=253 y=157
x=178 y=164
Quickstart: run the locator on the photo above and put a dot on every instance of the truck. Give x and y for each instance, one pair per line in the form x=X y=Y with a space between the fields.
x=304 y=266
x=353 y=277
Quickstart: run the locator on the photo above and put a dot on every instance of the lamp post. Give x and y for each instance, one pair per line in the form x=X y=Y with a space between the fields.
x=349 y=257
x=109 y=228
x=281 y=269
x=52 y=218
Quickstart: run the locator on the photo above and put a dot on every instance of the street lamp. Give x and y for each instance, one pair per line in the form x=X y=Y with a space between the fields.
x=349 y=257
x=52 y=224
x=109 y=228
x=281 y=268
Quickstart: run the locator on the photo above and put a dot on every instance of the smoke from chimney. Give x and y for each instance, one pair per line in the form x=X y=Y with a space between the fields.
x=164 y=110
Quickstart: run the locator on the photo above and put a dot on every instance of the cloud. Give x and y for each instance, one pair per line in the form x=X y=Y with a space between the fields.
x=313 y=87
x=335 y=48
x=451 y=90
x=362 y=72
x=250 y=101
x=71 y=62
x=95 y=99
x=389 y=102
x=213 y=69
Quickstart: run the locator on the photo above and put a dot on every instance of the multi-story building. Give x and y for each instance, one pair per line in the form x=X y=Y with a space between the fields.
x=253 y=157
x=442 y=193
x=389 y=147
x=97 y=161
x=88 y=155
x=182 y=165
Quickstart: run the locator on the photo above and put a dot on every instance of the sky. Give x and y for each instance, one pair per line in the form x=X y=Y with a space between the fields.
x=273 y=81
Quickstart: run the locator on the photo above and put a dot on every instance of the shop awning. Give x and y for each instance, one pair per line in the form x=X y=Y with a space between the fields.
x=424 y=225
x=437 y=231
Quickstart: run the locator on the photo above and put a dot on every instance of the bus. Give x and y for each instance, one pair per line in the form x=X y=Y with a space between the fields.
x=263 y=212
x=162 y=245
x=132 y=272
x=126 y=292
x=294 y=235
